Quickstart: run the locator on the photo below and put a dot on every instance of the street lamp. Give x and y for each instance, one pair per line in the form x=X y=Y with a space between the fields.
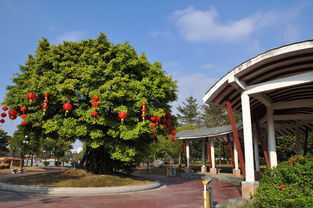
x=25 y=141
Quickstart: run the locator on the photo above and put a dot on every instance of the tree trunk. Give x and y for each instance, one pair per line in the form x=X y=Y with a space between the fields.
x=32 y=160
x=98 y=161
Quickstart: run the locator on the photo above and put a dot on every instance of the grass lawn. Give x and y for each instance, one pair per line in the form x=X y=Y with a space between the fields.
x=75 y=178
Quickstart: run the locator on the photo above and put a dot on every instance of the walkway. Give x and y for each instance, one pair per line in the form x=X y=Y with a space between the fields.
x=178 y=193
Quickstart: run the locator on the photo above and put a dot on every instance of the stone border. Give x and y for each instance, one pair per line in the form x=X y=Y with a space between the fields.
x=78 y=191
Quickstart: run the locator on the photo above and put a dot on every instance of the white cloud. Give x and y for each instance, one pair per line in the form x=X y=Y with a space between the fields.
x=71 y=36
x=195 y=85
x=165 y=34
x=207 y=26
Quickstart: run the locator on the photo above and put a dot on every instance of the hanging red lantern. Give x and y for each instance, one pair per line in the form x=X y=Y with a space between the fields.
x=24 y=123
x=23 y=109
x=122 y=116
x=95 y=104
x=164 y=120
x=143 y=116
x=169 y=132
x=46 y=95
x=169 y=114
x=94 y=113
x=153 y=131
x=45 y=107
x=169 y=120
x=4 y=108
x=143 y=109
x=3 y=114
x=158 y=119
x=31 y=96
x=46 y=101
x=173 y=133
x=152 y=118
x=164 y=126
x=152 y=125
x=173 y=140
x=169 y=124
x=2 y=121
x=12 y=114
x=67 y=107
x=173 y=128
x=23 y=116
x=95 y=98
x=143 y=104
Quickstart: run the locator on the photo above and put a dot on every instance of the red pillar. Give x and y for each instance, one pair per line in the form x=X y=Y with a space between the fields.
x=209 y=153
x=236 y=137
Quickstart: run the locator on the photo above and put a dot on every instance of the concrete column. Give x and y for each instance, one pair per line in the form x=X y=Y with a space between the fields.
x=213 y=170
x=235 y=156
x=271 y=137
x=236 y=171
x=187 y=169
x=256 y=152
x=247 y=133
x=203 y=167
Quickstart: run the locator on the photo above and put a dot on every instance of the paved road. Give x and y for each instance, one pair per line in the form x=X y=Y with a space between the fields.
x=178 y=193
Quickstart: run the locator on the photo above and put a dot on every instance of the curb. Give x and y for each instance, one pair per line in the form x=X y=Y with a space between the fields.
x=78 y=191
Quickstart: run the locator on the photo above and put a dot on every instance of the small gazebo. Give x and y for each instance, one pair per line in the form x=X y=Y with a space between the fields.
x=209 y=137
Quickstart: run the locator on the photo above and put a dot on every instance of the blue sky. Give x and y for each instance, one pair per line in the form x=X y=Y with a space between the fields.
x=196 y=41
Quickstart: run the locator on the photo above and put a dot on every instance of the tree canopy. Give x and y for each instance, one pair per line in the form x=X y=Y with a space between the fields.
x=75 y=72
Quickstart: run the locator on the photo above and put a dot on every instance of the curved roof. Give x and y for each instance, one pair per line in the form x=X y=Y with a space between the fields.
x=217 y=133
x=290 y=63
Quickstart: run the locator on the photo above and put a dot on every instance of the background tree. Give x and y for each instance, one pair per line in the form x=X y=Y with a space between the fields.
x=74 y=73
x=213 y=116
x=4 y=142
x=189 y=112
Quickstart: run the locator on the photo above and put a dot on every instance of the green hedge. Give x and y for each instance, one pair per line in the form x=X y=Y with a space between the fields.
x=290 y=185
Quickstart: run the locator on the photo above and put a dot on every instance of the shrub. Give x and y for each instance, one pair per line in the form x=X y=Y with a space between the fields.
x=46 y=163
x=290 y=185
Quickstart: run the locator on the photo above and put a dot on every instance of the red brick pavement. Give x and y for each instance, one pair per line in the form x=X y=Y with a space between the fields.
x=178 y=193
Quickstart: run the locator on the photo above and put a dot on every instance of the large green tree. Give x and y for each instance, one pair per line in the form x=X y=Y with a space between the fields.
x=74 y=72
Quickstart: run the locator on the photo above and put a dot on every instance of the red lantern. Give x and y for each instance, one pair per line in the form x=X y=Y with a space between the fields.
x=169 y=124
x=169 y=132
x=154 y=132
x=143 y=109
x=122 y=116
x=4 y=108
x=164 y=120
x=23 y=116
x=95 y=104
x=46 y=95
x=23 y=109
x=46 y=101
x=173 y=128
x=95 y=98
x=31 y=96
x=158 y=119
x=164 y=126
x=94 y=113
x=24 y=123
x=169 y=114
x=152 y=118
x=143 y=116
x=45 y=107
x=67 y=107
x=169 y=120
x=3 y=114
x=152 y=125
x=173 y=140
x=2 y=121
x=12 y=114
x=173 y=134
x=143 y=104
